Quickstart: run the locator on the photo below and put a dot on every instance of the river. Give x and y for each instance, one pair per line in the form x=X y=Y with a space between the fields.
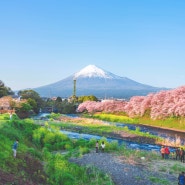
x=129 y=144
x=164 y=133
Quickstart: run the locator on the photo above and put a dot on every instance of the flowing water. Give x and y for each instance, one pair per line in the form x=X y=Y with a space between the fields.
x=132 y=145
x=164 y=133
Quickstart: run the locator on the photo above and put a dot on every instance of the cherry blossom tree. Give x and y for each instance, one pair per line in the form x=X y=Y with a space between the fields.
x=158 y=105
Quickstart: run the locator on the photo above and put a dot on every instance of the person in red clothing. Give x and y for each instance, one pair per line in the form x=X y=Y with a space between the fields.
x=167 y=152
x=162 y=152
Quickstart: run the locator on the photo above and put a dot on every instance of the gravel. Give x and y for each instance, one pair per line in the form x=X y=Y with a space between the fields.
x=123 y=173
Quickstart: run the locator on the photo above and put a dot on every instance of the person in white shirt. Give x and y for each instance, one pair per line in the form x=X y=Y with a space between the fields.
x=102 y=146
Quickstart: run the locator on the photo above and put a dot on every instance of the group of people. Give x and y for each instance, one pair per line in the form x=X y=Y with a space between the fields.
x=102 y=146
x=178 y=154
x=165 y=152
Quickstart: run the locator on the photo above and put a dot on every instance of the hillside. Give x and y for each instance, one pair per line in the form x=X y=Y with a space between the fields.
x=39 y=159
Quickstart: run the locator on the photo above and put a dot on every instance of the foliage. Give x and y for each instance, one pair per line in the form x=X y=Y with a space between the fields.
x=59 y=99
x=113 y=118
x=33 y=104
x=87 y=98
x=103 y=129
x=54 y=115
x=34 y=99
x=26 y=126
x=68 y=108
x=159 y=181
x=5 y=116
x=22 y=109
x=53 y=140
x=27 y=166
x=177 y=168
x=4 y=91
x=59 y=106
x=20 y=170
x=61 y=171
x=58 y=170
x=177 y=123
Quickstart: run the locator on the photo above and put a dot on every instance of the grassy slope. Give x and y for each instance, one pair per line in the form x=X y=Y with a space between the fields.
x=169 y=123
x=25 y=169
x=36 y=147
x=28 y=169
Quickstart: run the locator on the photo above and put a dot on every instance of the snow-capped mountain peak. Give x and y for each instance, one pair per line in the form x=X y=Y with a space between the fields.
x=93 y=71
x=92 y=80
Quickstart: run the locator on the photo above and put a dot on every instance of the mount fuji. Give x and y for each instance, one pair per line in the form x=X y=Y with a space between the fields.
x=92 y=80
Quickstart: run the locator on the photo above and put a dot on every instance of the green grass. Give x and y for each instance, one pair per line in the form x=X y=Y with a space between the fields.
x=159 y=181
x=37 y=145
x=114 y=118
x=172 y=122
x=177 y=167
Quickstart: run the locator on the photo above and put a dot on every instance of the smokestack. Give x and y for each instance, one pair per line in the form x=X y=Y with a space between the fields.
x=74 y=88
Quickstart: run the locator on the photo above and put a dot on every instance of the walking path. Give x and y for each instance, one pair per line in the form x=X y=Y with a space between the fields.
x=124 y=172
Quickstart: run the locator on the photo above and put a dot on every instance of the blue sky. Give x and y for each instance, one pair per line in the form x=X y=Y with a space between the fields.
x=44 y=41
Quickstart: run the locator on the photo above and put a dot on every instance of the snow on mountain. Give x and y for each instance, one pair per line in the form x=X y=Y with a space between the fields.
x=92 y=80
x=91 y=71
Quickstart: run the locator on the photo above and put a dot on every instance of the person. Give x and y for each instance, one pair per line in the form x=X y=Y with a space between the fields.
x=97 y=146
x=167 y=152
x=182 y=155
x=102 y=146
x=162 y=152
x=181 y=179
x=173 y=155
x=177 y=151
x=14 y=148
x=10 y=115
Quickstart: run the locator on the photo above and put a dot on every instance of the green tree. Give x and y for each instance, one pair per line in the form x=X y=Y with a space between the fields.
x=23 y=109
x=87 y=98
x=33 y=104
x=4 y=91
x=59 y=99
x=68 y=108
x=31 y=94
x=48 y=105
x=58 y=105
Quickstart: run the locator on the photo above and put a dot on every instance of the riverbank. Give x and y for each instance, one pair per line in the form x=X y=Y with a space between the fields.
x=102 y=128
x=173 y=124
x=129 y=170
x=164 y=128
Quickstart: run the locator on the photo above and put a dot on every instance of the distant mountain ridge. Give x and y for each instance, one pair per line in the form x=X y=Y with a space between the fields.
x=92 y=80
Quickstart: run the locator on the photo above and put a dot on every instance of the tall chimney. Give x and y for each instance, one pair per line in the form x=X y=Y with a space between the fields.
x=74 y=88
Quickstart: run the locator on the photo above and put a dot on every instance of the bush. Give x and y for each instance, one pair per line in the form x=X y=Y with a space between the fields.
x=33 y=152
